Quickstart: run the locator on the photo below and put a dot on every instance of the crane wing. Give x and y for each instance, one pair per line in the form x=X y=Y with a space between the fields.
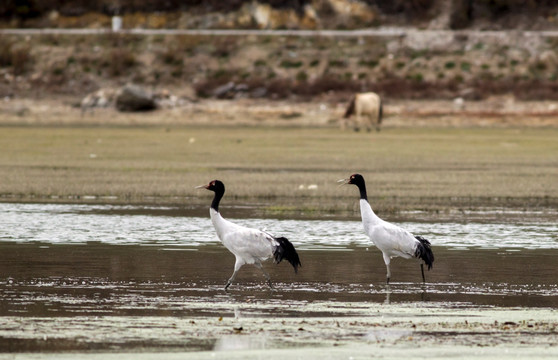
x=249 y=244
x=394 y=241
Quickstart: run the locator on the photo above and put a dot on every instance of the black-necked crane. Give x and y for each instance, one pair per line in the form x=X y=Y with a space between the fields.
x=392 y=240
x=249 y=246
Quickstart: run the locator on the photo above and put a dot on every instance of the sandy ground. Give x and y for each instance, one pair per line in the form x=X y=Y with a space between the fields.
x=497 y=111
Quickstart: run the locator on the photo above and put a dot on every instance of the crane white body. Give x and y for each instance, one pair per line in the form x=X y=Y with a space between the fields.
x=249 y=246
x=392 y=240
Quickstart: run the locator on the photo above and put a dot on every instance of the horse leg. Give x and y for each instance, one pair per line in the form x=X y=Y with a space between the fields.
x=369 y=123
x=380 y=115
x=343 y=123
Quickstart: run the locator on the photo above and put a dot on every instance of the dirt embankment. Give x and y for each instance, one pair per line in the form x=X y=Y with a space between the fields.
x=417 y=65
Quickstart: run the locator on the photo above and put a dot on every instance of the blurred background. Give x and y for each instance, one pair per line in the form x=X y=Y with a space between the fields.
x=112 y=111
x=469 y=50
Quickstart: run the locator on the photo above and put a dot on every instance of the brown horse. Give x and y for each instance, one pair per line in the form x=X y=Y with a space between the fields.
x=362 y=105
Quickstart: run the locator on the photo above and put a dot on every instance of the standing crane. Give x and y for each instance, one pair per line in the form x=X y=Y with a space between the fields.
x=391 y=239
x=249 y=246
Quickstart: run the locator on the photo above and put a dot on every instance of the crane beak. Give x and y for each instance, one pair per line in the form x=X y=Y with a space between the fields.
x=343 y=182
x=201 y=187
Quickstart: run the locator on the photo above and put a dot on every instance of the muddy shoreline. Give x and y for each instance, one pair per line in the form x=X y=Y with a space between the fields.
x=162 y=298
x=70 y=292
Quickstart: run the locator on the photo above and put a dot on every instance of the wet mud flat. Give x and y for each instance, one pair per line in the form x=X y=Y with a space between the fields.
x=106 y=281
x=92 y=300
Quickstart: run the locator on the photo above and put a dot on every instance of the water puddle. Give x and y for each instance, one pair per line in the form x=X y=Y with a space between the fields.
x=94 y=270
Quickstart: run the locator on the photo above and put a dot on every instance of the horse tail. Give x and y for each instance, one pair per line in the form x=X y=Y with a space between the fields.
x=350 y=108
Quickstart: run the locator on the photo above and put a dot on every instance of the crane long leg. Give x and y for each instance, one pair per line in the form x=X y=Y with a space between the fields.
x=387 y=260
x=422 y=271
x=267 y=277
x=237 y=265
x=229 y=282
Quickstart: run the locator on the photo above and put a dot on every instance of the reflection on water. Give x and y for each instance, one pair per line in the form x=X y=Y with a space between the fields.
x=120 y=225
x=81 y=261
x=131 y=280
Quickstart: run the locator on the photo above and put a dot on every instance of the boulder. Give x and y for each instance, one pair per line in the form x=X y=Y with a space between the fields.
x=135 y=98
x=101 y=98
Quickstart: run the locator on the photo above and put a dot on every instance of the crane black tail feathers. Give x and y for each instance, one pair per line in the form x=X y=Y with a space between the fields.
x=286 y=250
x=424 y=251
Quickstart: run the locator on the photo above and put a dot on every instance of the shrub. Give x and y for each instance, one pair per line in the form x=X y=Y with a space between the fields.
x=119 y=61
x=337 y=63
x=289 y=64
x=301 y=76
x=21 y=58
x=279 y=88
x=5 y=53
x=415 y=77
x=259 y=63
x=171 y=55
x=15 y=55
x=223 y=47
x=368 y=63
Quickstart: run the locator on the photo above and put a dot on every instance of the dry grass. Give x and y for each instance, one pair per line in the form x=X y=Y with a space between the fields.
x=405 y=168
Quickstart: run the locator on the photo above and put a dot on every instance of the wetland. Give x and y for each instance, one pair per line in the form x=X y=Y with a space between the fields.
x=108 y=250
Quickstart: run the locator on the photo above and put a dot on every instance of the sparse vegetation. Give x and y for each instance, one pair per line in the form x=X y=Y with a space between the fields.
x=119 y=61
x=337 y=63
x=368 y=63
x=301 y=76
x=469 y=165
x=16 y=56
x=289 y=64
x=291 y=67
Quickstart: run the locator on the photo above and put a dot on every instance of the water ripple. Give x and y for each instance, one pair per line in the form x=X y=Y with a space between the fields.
x=81 y=224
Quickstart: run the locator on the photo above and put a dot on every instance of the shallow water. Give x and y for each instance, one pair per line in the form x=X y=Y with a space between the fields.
x=78 y=261
x=190 y=227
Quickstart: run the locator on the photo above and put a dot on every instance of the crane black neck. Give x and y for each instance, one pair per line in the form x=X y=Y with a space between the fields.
x=362 y=189
x=217 y=199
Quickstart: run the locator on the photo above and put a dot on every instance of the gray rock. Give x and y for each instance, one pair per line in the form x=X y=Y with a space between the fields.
x=225 y=91
x=135 y=98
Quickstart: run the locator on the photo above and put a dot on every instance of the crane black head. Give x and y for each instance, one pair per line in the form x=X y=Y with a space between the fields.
x=215 y=186
x=218 y=188
x=358 y=180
